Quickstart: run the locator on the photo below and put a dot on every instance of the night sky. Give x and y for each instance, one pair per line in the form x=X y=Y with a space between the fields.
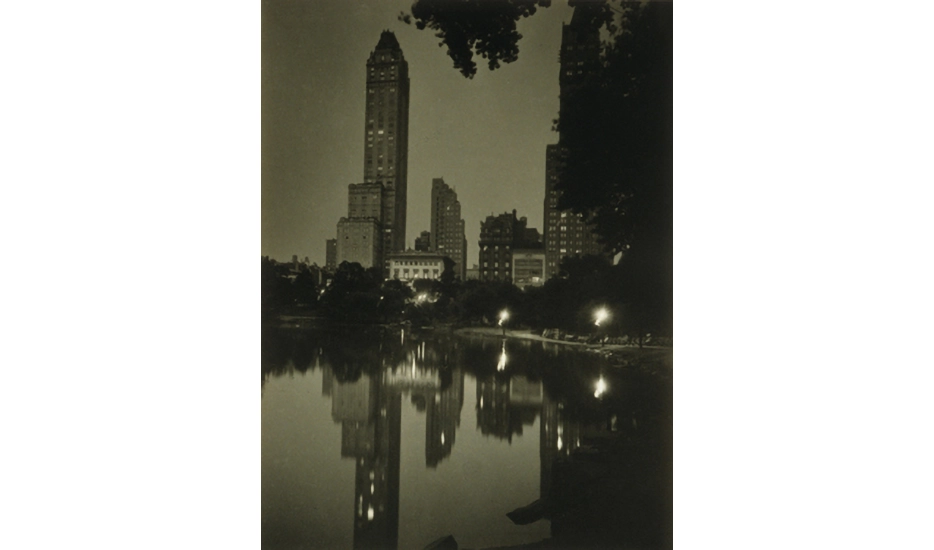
x=486 y=136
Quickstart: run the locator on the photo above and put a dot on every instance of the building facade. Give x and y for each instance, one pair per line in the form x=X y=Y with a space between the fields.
x=448 y=236
x=499 y=237
x=423 y=242
x=359 y=240
x=566 y=233
x=359 y=235
x=411 y=265
x=365 y=200
x=387 y=135
x=528 y=267
x=330 y=262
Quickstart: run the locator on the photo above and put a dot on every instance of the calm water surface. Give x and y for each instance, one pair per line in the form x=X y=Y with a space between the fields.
x=381 y=438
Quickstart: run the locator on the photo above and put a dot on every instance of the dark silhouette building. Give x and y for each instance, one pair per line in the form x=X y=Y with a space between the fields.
x=330 y=262
x=423 y=242
x=499 y=237
x=448 y=237
x=566 y=233
x=387 y=135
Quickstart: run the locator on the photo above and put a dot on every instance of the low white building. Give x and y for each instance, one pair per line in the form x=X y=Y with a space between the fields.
x=411 y=265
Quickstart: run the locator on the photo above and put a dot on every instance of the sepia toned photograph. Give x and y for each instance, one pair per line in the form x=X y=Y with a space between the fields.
x=466 y=274
x=477 y=244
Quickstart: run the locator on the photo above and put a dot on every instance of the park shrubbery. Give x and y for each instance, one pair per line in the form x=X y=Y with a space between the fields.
x=566 y=302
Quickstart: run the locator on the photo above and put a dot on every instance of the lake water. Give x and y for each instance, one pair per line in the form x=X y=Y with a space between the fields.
x=381 y=438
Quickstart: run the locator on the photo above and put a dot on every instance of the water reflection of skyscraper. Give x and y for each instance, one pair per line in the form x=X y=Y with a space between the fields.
x=444 y=417
x=369 y=411
x=505 y=406
x=370 y=416
x=559 y=436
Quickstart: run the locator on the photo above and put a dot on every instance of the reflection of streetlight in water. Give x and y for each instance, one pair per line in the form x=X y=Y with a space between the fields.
x=601 y=387
x=502 y=358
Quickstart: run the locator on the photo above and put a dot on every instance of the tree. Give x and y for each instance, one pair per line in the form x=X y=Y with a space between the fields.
x=276 y=291
x=305 y=288
x=487 y=27
x=616 y=137
x=354 y=292
x=394 y=296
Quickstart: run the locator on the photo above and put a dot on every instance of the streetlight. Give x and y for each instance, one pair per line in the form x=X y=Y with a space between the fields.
x=599 y=316
x=503 y=315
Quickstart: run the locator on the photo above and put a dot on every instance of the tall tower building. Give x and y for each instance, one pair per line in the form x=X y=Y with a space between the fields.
x=387 y=135
x=448 y=236
x=566 y=233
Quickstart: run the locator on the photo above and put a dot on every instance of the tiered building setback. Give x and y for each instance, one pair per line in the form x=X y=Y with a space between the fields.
x=375 y=222
x=448 y=237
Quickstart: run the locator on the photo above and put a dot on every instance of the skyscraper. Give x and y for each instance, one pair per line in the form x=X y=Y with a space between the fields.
x=566 y=233
x=448 y=236
x=387 y=135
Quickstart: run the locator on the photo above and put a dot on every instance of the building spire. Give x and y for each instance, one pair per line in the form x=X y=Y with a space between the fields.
x=387 y=41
